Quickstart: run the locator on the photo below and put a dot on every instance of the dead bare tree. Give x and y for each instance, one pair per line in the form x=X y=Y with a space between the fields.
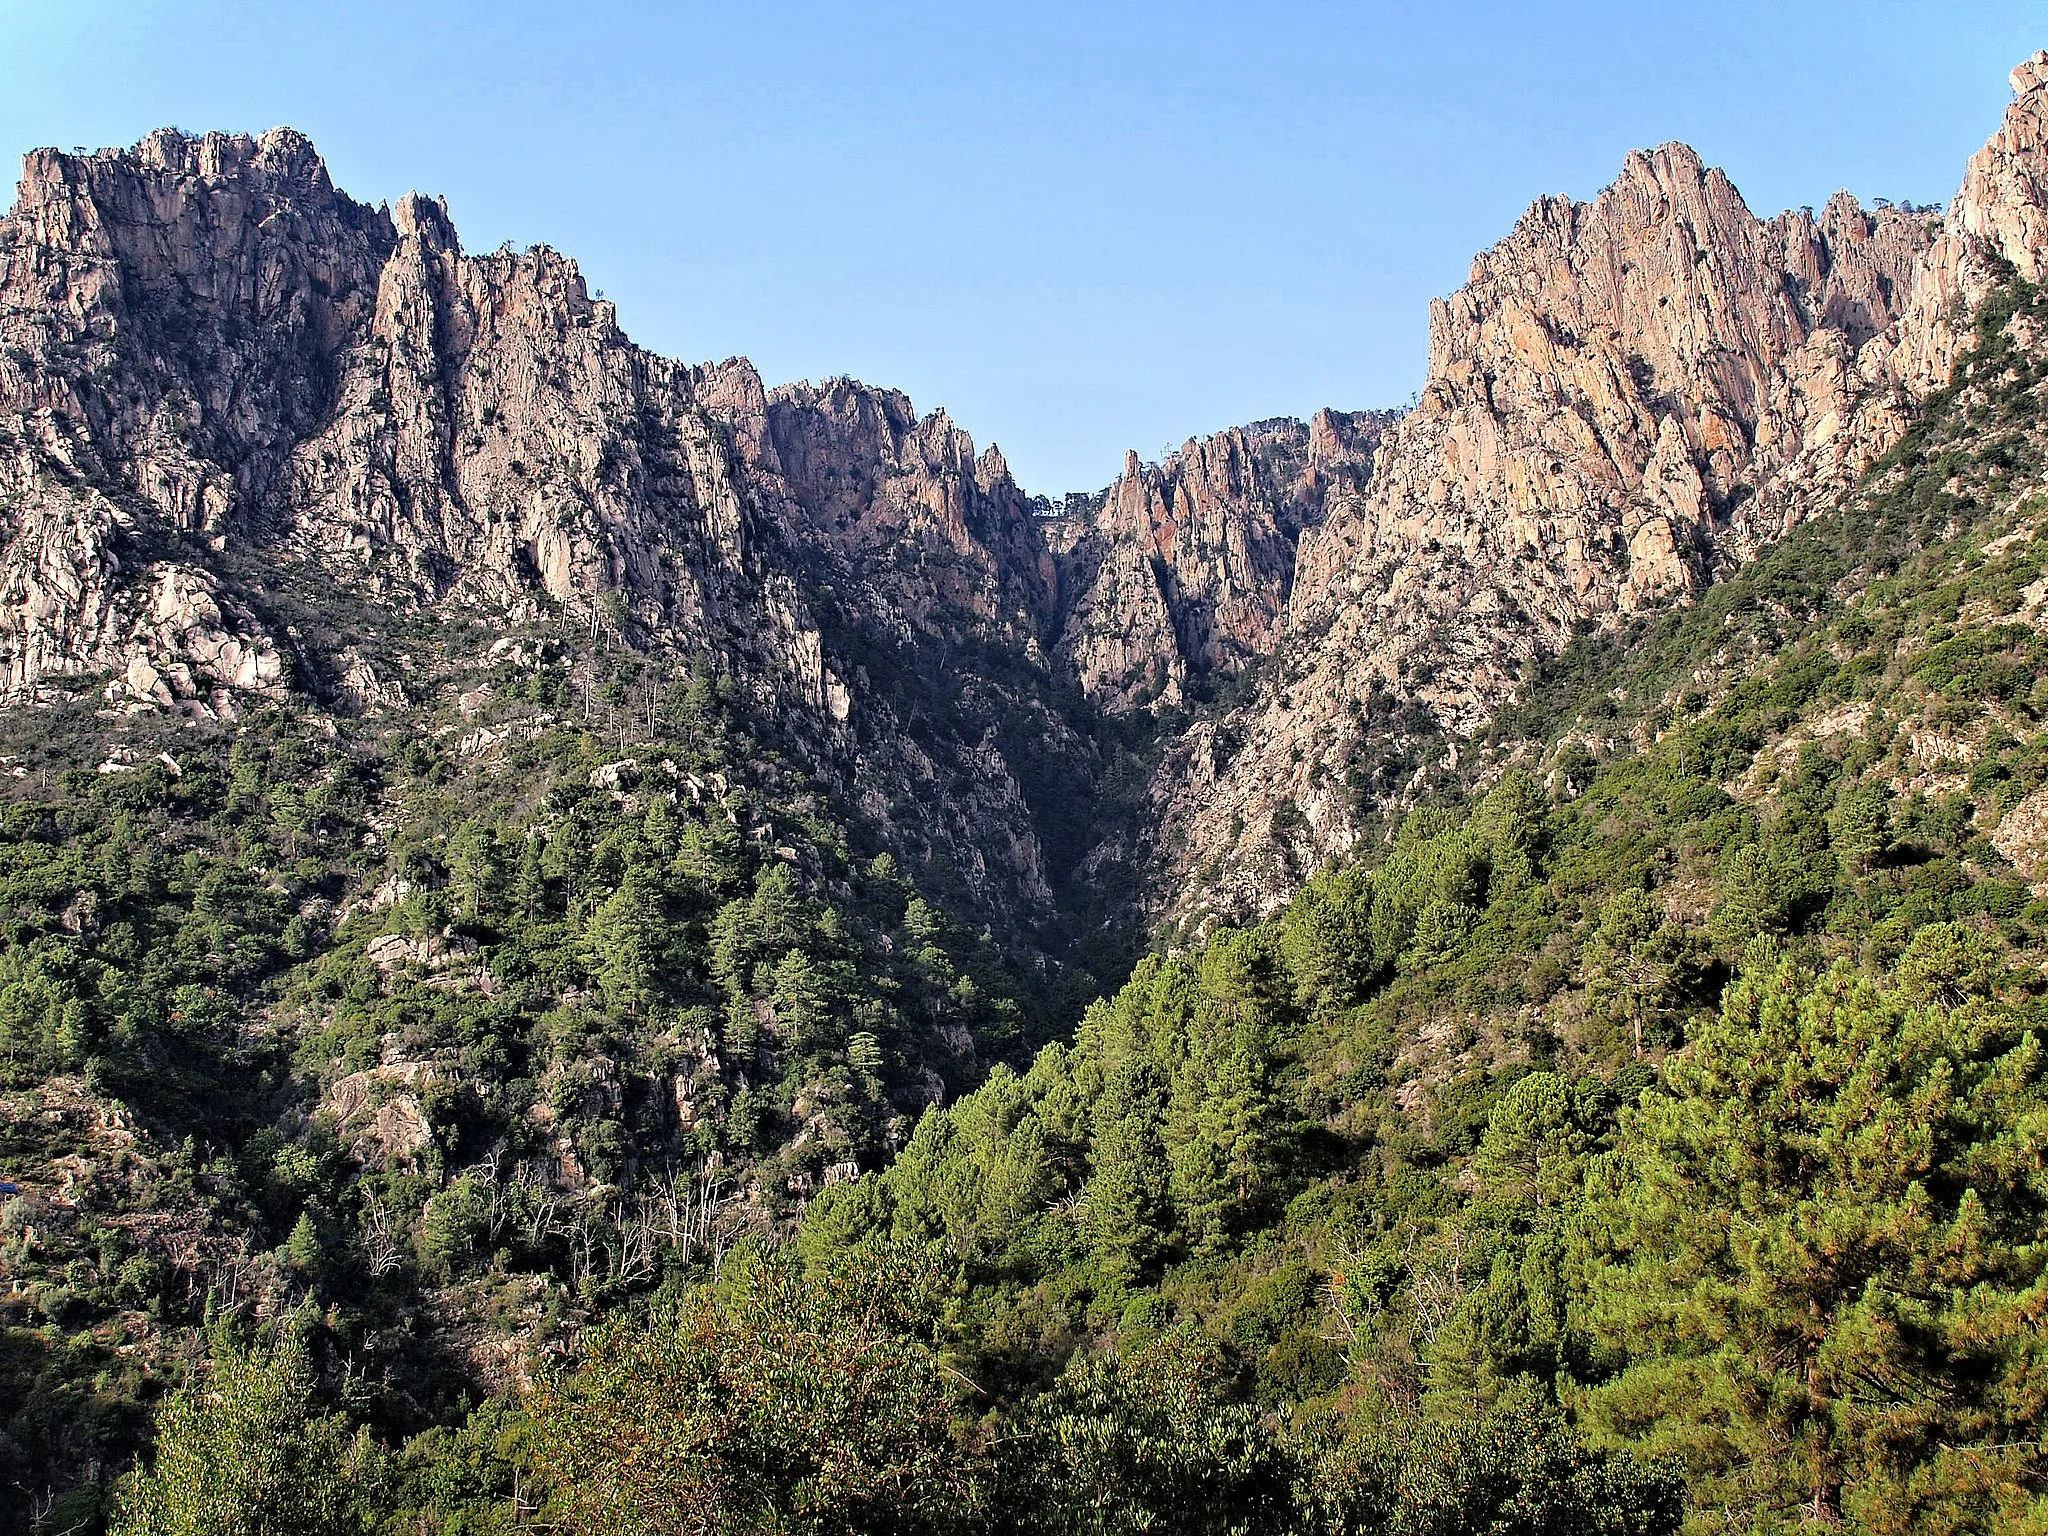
x=1438 y=1287
x=381 y=1244
x=542 y=1209
x=632 y=1255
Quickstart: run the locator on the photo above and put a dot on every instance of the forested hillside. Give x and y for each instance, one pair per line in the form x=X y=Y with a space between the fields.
x=1684 y=1078
x=1647 y=1134
x=470 y=1044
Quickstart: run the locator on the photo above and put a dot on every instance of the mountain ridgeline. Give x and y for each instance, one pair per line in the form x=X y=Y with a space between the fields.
x=574 y=928
x=256 y=431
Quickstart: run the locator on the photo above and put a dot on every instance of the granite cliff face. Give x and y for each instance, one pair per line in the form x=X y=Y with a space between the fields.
x=1184 y=567
x=166 y=321
x=1627 y=396
x=248 y=426
x=1998 y=221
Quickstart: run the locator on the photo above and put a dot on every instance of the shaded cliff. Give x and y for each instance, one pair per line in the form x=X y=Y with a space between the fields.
x=1184 y=568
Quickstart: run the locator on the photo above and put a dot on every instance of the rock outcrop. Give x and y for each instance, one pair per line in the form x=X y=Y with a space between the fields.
x=1998 y=223
x=1627 y=396
x=168 y=317
x=1185 y=567
x=229 y=394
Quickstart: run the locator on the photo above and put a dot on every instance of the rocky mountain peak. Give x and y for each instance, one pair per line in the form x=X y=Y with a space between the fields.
x=229 y=393
x=992 y=470
x=2030 y=74
x=1185 y=566
x=1627 y=396
x=2004 y=197
x=226 y=390
x=1998 y=219
x=425 y=219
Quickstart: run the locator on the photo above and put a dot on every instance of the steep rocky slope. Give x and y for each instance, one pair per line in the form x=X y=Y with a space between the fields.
x=1627 y=397
x=254 y=430
x=1383 y=1147
x=1184 y=568
x=487 y=813
x=252 y=433
x=252 y=427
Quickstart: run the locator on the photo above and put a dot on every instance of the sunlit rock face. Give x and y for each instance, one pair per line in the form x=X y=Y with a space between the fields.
x=1627 y=396
x=248 y=425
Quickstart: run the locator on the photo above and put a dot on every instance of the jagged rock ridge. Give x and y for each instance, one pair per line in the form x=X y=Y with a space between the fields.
x=1627 y=396
x=246 y=422
x=232 y=399
x=1184 y=567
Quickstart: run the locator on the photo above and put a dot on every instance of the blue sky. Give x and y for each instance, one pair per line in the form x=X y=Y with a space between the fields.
x=1079 y=227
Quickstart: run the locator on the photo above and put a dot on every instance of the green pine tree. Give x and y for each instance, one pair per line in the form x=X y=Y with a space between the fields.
x=1859 y=828
x=244 y=1452
x=302 y=1248
x=1126 y=1205
x=625 y=939
x=1825 y=1273
x=1219 y=1134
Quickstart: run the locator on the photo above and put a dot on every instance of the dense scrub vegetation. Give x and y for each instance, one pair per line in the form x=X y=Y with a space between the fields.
x=468 y=1033
x=1648 y=1136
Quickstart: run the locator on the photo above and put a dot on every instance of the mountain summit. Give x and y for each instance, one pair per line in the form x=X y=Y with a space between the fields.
x=230 y=395
x=1628 y=398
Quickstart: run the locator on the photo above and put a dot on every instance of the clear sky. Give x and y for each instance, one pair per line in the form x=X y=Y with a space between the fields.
x=1081 y=227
